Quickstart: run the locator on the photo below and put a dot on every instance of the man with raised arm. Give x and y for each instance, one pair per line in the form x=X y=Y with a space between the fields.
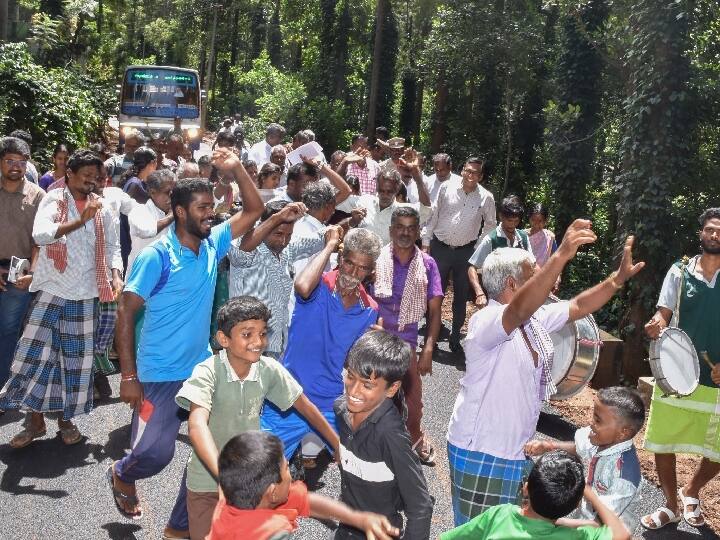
x=174 y=280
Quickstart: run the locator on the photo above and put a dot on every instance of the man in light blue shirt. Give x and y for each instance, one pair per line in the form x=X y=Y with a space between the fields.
x=174 y=279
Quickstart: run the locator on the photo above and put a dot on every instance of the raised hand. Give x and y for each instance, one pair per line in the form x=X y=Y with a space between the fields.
x=225 y=160
x=333 y=234
x=314 y=161
x=577 y=234
x=292 y=212
x=627 y=269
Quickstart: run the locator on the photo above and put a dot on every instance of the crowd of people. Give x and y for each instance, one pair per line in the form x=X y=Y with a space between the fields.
x=278 y=308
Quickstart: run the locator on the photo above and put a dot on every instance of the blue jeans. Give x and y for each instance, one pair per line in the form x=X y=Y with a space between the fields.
x=14 y=303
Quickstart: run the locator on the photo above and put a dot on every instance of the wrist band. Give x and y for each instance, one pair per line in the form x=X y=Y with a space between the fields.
x=129 y=377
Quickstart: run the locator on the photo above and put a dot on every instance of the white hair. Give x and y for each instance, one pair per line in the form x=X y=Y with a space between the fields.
x=501 y=264
x=363 y=242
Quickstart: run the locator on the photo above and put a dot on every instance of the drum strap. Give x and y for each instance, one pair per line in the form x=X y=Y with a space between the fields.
x=683 y=265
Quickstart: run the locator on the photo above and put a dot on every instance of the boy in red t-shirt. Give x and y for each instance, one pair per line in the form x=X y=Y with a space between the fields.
x=260 y=501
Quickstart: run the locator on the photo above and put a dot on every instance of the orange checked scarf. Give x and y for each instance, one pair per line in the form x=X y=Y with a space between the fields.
x=57 y=251
x=414 y=296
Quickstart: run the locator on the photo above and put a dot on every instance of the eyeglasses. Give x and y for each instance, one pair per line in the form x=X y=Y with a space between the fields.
x=16 y=162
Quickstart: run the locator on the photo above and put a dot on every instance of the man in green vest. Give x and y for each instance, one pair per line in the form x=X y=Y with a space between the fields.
x=689 y=424
x=506 y=234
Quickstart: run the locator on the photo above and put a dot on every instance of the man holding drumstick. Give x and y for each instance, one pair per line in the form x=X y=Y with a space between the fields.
x=509 y=356
x=689 y=424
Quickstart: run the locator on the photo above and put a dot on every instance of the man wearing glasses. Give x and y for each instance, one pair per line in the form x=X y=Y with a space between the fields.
x=463 y=213
x=19 y=201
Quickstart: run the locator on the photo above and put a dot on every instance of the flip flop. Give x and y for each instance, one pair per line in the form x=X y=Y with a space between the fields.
x=26 y=436
x=117 y=494
x=70 y=434
x=655 y=519
x=695 y=515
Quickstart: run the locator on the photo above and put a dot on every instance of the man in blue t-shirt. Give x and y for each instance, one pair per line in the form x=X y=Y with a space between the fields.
x=174 y=279
x=332 y=311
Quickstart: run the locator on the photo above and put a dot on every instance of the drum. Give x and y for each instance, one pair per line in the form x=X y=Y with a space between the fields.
x=674 y=363
x=577 y=350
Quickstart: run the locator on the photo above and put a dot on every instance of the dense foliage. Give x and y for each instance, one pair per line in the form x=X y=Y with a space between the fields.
x=601 y=108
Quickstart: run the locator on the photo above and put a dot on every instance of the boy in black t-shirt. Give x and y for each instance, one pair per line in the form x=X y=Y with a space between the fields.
x=380 y=472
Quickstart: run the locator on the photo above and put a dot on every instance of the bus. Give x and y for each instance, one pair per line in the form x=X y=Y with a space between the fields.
x=161 y=99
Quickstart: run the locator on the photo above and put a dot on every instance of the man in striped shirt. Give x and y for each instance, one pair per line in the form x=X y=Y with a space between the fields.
x=261 y=265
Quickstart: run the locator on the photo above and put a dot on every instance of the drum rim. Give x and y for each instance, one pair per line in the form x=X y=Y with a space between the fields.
x=656 y=368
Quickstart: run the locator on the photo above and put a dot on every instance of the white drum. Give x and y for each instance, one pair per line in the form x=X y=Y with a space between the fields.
x=577 y=350
x=674 y=363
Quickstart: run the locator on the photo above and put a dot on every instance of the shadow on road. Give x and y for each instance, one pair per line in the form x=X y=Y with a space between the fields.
x=122 y=531
x=43 y=459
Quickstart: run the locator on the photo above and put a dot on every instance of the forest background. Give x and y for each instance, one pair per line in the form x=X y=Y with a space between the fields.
x=607 y=109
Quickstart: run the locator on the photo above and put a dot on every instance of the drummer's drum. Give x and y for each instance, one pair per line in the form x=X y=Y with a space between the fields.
x=577 y=350
x=674 y=363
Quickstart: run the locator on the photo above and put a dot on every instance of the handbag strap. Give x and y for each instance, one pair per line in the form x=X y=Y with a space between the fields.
x=683 y=265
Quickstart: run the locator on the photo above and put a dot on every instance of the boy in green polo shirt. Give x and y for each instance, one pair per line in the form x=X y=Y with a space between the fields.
x=225 y=394
x=554 y=489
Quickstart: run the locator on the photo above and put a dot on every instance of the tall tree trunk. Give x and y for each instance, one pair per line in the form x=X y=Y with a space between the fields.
x=440 y=121
x=4 y=24
x=417 y=118
x=210 y=60
x=375 y=77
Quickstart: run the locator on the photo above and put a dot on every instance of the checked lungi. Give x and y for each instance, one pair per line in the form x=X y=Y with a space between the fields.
x=104 y=334
x=480 y=481
x=52 y=368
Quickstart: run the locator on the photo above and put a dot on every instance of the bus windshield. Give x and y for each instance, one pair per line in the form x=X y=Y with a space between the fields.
x=160 y=93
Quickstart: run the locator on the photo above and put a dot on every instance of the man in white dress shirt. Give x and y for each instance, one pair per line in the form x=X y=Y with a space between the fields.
x=379 y=208
x=442 y=165
x=260 y=151
x=463 y=213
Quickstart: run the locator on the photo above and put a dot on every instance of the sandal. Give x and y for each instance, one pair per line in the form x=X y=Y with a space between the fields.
x=694 y=518
x=118 y=496
x=70 y=434
x=654 y=518
x=26 y=436
x=425 y=452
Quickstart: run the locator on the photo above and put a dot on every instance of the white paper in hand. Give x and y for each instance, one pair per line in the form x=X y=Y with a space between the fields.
x=309 y=150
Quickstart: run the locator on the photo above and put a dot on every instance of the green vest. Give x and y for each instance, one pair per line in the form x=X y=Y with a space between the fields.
x=501 y=242
x=700 y=319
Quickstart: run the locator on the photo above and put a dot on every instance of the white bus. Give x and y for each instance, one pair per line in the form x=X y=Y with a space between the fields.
x=160 y=99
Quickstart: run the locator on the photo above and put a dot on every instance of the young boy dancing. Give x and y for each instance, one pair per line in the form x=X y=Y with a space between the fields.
x=554 y=489
x=607 y=449
x=380 y=471
x=225 y=394
x=261 y=502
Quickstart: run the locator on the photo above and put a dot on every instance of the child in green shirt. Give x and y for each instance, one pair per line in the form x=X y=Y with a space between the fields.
x=554 y=488
x=225 y=395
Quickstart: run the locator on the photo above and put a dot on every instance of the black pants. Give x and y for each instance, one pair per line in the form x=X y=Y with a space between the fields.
x=454 y=261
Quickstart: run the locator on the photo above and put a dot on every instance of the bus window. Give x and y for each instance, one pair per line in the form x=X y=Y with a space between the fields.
x=160 y=93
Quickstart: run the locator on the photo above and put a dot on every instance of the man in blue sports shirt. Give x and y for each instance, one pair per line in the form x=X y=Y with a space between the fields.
x=174 y=279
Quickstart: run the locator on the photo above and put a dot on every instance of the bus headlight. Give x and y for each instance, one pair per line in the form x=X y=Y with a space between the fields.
x=126 y=130
x=192 y=133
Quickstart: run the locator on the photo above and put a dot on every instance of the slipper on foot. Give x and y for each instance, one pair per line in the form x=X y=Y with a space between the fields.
x=118 y=495
x=694 y=518
x=654 y=519
x=26 y=436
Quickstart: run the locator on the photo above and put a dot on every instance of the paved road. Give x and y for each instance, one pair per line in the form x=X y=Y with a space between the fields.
x=51 y=491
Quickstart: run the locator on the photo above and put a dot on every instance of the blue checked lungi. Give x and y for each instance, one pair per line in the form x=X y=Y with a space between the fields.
x=52 y=368
x=480 y=481
x=105 y=328
x=104 y=334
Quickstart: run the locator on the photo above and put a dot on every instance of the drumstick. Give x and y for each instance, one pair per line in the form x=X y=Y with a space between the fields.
x=706 y=357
